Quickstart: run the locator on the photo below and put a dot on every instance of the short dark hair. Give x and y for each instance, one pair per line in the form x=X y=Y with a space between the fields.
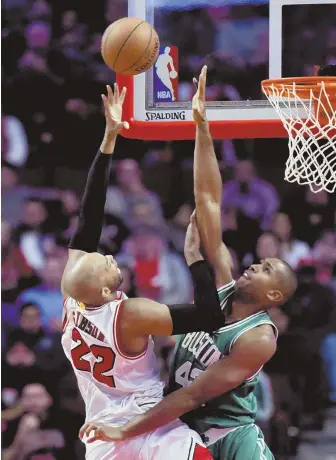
x=34 y=199
x=290 y=281
x=28 y=305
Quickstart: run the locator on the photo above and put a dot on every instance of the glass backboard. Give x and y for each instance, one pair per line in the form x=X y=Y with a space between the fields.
x=242 y=42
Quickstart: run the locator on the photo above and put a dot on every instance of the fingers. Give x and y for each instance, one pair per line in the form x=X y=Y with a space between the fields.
x=110 y=96
x=202 y=83
x=86 y=429
x=122 y=95
x=98 y=435
x=115 y=97
x=116 y=92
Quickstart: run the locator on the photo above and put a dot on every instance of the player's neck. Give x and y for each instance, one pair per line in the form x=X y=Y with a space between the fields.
x=241 y=311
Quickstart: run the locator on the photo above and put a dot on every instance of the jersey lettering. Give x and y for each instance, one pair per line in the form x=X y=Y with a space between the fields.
x=104 y=356
x=85 y=325
x=185 y=374
x=202 y=346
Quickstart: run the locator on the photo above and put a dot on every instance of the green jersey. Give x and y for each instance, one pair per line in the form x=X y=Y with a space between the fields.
x=195 y=352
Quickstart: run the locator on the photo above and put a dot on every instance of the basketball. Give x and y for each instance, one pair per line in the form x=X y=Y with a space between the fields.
x=130 y=46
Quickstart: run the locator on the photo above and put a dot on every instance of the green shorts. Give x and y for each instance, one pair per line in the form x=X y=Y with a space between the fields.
x=245 y=443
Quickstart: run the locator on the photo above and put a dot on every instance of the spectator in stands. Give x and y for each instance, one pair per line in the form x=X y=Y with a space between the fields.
x=310 y=315
x=178 y=226
x=142 y=213
x=253 y=196
x=12 y=193
x=42 y=430
x=113 y=235
x=291 y=249
x=31 y=231
x=38 y=36
x=234 y=225
x=46 y=347
x=267 y=246
x=14 y=144
x=15 y=195
x=41 y=10
x=30 y=330
x=72 y=43
x=324 y=256
x=19 y=361
x=130 y=188
x=128 y=285
x=47 y=295
x=16 y=274
x=310 y=213
x=160 y=273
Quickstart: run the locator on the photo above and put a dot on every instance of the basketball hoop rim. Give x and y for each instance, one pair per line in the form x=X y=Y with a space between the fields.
x=301 y=84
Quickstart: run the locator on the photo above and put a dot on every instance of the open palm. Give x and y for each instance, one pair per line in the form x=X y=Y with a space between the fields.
x=113 y=104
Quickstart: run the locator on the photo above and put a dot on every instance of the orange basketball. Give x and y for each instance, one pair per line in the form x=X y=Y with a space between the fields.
x=130 y=46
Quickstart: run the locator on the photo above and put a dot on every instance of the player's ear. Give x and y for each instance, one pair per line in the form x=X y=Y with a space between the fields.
x=105 y=292
x=274 y=295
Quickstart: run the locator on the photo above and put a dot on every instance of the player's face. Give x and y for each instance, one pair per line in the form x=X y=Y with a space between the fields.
x=260 y=283
x=113 y=271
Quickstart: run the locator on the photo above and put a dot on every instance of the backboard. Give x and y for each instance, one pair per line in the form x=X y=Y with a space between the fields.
x=242 y=42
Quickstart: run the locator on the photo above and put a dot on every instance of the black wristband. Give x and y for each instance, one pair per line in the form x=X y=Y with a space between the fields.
x=91 y=216
x=205 y=314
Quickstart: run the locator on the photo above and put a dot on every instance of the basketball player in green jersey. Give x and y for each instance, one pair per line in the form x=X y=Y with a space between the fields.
x=213 y=376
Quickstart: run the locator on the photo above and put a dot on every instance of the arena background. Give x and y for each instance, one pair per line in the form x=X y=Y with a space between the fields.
x=52 y=124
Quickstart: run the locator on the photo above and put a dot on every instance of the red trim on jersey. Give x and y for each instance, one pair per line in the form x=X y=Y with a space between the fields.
x=201 y=453
x=116 y=336
x=96 y=307
x=65 y=314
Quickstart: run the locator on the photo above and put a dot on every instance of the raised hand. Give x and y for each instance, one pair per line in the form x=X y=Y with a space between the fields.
x=113 y=104
x=100 y=432
x=198 y=102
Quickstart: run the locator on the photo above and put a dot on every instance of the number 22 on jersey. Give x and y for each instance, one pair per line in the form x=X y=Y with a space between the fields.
x=104 y=357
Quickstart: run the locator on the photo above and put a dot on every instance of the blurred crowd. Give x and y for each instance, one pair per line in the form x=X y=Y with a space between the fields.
x=52 y=124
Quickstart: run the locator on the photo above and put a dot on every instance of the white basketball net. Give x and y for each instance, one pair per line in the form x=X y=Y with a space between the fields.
x=312 y=147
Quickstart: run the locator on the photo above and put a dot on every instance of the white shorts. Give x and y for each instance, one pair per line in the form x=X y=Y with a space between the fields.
x=174 y=441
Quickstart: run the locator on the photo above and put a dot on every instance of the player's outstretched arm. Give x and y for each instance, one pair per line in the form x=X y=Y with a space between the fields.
x=143 y=317
x=208 y=189
x=249 y=353
x=90 y=223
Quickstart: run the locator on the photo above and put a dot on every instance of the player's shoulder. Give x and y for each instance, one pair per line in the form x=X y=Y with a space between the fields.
x=261 y=338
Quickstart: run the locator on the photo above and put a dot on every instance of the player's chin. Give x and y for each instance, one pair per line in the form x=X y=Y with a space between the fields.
x=242 y=282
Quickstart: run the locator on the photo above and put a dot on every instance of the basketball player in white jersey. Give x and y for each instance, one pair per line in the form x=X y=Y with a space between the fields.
x=162 y=70
x=106 y=336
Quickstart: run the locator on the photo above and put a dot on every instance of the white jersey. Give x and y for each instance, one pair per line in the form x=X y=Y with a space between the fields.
x=111 y=381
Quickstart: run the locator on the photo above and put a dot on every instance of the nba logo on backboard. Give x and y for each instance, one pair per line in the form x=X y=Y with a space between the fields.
x=166 y=75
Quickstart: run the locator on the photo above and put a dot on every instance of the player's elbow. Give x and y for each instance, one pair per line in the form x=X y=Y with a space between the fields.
x=206 y=199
